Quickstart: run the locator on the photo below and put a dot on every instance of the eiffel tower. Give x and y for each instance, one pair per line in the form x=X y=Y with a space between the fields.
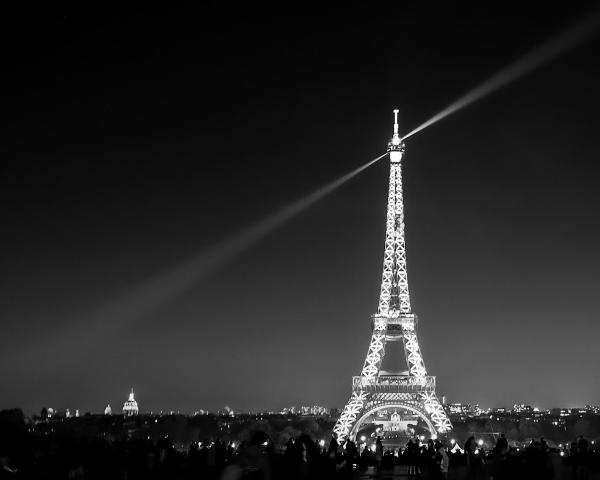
x=375 y=390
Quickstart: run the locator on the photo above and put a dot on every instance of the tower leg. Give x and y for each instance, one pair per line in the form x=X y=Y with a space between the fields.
x=349 y=415
x=436 y=412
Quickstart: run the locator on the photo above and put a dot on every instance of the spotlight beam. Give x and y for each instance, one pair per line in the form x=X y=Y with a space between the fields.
x=576 y=34
x=165 y=286
x=147 y=297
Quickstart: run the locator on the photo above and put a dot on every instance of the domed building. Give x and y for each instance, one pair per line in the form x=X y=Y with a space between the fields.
x=130 y=407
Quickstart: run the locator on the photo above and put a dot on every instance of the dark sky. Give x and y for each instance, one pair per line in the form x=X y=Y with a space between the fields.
x=132 y=141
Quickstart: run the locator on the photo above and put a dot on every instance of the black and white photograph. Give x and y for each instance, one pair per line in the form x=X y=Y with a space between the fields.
x=316 y=240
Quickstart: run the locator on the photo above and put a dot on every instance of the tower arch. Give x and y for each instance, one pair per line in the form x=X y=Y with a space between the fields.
x=384 y=406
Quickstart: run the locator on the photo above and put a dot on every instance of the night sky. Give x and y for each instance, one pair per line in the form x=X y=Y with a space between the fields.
x=134 y=141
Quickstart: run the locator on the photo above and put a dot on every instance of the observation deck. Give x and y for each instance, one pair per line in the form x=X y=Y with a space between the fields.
x=393 y=384
x=395 y=325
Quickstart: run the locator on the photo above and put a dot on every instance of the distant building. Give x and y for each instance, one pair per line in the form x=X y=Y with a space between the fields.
x=130 y=407
x=108 y=410
x=464 y=409
x=460 y=408
x=227 y=411
x=392 y=421
x=305 y=410
x=313 y=410
x=522 y=409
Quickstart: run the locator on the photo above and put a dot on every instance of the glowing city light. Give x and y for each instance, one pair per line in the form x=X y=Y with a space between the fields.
x=476 y=451
x=363 y=439
x=452 y=441
x=480 y=442
x=579 y=32
x=562 y=454
x=322 y=443
x=265 y=443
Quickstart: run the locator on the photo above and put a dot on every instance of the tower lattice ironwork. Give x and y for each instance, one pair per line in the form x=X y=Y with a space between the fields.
x=412 y=390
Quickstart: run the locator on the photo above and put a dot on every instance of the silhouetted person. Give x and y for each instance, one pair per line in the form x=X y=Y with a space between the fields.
x=412 y=457
x=378 y=453
x=582 y=445
x=470 y=449
x=430 y=457
x=289 y=453
x=502 y=445
x=165 y=447
x=472 y=461
x=333 y=446
x=332 y=452
x=365 y=458
x=499 y=467
x=351 y=454
x=444 y=462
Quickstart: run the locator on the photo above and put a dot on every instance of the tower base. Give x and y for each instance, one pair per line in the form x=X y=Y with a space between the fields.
x=406 y=392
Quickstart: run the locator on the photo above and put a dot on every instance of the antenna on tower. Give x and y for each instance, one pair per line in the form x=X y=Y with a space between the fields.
x=395 y=145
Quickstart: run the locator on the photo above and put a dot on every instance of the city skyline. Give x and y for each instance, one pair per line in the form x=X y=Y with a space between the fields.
x=453 y=407
x=138 y=141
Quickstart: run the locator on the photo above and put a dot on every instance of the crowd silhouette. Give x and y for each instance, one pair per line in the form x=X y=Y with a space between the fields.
x=301 y=458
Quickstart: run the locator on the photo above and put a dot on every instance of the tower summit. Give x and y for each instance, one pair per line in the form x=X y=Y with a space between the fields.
x=396 y=145
x=411 y=391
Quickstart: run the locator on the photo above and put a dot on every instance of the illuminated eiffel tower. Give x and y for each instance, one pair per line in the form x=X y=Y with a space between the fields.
x=374 y=390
